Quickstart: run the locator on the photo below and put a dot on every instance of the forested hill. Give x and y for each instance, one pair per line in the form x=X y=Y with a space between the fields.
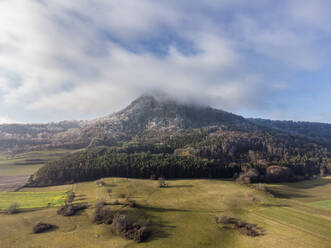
x=314 y=130
x=162 y=137
x=204 y=153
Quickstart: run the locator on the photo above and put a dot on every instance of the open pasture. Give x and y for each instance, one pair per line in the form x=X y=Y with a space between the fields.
x=181 y=215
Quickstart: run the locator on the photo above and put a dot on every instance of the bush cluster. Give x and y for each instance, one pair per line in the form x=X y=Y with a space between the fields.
x=13 y=208
x=41 y=227
x=100 y=183
x=71 y=209
x=124 y=227
x=102 y=215
x=162 y=182
x=243 y=227
x=131 y=203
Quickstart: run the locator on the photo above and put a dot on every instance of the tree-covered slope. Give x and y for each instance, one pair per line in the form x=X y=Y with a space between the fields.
x=203 y=153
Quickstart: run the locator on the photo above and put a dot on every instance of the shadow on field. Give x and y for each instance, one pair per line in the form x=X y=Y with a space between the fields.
x=110 y=185
x=161 y=210
x=288 y=194
x=159 y=229
x=80 y=199
x=80 y=195
x=180 y=186
x=275 y=205
x=158 y=233
x=310 y=184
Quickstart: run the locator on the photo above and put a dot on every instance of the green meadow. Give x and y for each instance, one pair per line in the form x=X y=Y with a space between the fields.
x=180 y=215
x=32 y=200
x=322 y=204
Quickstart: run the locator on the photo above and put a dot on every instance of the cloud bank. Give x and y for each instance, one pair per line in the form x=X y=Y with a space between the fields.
x=82 y=59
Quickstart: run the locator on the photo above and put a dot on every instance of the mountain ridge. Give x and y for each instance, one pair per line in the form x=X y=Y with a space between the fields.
x=146 y=118
x=177 y=140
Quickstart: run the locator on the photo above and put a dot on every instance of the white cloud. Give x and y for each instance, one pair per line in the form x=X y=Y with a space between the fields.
x=88 y=58
x=281 y=42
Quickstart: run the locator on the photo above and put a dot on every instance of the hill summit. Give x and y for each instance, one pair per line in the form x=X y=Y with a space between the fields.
x=150 y=116
x=147 y=117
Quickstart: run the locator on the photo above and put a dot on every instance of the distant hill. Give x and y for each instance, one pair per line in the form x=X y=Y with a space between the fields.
x=318 y=131
x=161 y=137
x=23 y=137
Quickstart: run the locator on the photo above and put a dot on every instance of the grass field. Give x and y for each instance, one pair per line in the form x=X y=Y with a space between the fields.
x=29 y=162
x=182 y=215
x=322 y=204
x=32 y=200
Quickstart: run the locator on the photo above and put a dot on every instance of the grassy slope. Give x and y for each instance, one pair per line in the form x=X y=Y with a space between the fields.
x=303 y=206
x=181 y=216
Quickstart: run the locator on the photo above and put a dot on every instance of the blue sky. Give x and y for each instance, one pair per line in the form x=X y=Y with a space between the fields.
x=84 y=59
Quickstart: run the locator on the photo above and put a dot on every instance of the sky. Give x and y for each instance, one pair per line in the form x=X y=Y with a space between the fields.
x=65 y=60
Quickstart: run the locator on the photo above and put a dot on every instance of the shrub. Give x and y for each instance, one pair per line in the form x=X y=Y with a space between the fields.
x=13 y=208
x=66 y=210
x=131 y=203
x=247 y=229
x=100 y=183
x=123 y=226
x=103 y=215
x=162 y=183
x=277 y=173
x=242 y=179
x=137 y=233
x=251 y=175
x=41 y=227
x=71 y=209
x=70 y=197
x=243 y=227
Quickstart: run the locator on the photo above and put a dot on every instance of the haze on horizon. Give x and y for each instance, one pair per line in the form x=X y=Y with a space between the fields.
x=85 y=59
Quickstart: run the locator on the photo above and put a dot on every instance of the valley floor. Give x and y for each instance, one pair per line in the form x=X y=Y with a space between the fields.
x=182 y=215
x=15 y=170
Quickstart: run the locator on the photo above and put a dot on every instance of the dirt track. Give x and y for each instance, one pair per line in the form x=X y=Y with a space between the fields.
x=12 y=183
